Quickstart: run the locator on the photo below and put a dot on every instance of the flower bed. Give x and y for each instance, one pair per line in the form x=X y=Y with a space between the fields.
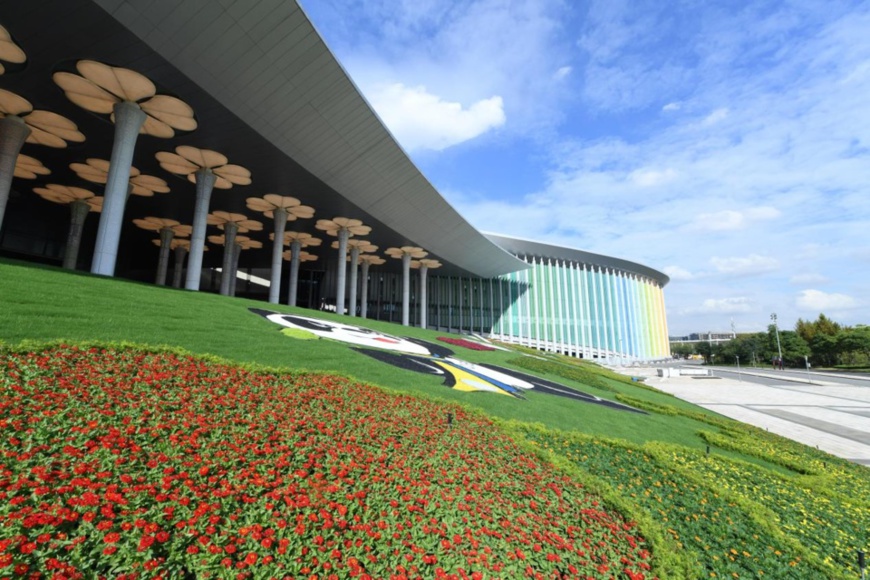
x=832 y=527
x=469 y=344
x=128 y=464
x=725 y=540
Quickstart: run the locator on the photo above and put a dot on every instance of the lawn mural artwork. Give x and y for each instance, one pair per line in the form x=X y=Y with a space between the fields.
x=432 y=359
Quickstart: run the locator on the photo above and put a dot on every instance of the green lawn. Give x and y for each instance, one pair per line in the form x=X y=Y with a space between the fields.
x=654 y=468
x=44 y=304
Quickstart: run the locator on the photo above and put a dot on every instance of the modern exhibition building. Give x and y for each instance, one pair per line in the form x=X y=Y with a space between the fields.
x=223 y=148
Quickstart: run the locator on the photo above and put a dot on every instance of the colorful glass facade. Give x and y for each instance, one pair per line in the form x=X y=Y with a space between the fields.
x=590 y=306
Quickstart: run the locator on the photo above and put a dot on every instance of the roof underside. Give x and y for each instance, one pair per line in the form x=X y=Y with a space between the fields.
x=267 y=93
x=522 y=247
x=264 y=61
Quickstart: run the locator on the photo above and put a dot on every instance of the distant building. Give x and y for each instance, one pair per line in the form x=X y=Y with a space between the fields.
x=710 y=336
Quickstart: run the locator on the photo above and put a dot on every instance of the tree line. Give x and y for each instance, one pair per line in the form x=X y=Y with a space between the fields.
x=821 y=343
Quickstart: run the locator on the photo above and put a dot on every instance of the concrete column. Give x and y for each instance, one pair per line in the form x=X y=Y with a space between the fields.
x=295 y=248
x=618 y=307
x=424 y=305
x=280 y=216
x=78 y=213
x=354 y=259
x=406 y=288
x=128 y=120
x=364 y=291
x=235 y=252
x=13 y=133
x=227 y=274
x=204 y=184
x=166 y=235
x=341 y=278
x=178 y=268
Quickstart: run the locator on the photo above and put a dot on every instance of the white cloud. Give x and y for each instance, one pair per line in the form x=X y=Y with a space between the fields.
x=716 y=116
x=729 y=219
x=723 y=306
x=752 y=264
x=652 y=178
x=421 y=120
x=818 y=301
x=780 y=168
x=462 y=51
x=804 y=279
x=562 y=73
x=676 y=273
x=762 y=213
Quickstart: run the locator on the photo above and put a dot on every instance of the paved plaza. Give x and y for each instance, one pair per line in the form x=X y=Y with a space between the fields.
x=832 y=413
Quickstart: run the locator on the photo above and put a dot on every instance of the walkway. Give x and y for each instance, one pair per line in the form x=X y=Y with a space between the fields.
x=831 y=413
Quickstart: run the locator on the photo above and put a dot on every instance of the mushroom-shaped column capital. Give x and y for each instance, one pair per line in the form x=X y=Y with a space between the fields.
x=66 y=194
x=246 y=243
x=362 y=246
x=19 y=123
x=207 y=169
x=99 y=88
x=411 y=251
x=367 y=260
x=231 y=223
x=303 y=256
x=81 y=203
x=282 y=209
x=333 y=227
x=269 y=203
x=9 y=51
x=168 y=229
x=371 y=260
x=190 y=161
x=223 y=219
x=156 y=224
x=45 y=127
x=133 y=105
x=241 y=244
x=304 y=239
x=97 y=171
x=27 y=167
x=406 y=254
x=343 y=228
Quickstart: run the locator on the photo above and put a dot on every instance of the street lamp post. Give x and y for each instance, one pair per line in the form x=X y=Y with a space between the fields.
x=739 y=377
x=807 y=363
x=776 y=329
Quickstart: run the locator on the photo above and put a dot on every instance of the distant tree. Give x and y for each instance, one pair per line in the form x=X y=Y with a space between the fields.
x=822 y=325
x=825 y=349
x=683 y=349
x=855 y=343
x=794 y=348
x=705 y=349
x=745 y=346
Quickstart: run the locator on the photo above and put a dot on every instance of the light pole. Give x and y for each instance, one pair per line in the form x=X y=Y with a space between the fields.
x=807 y=363
x=776 y=329
x=739 y=377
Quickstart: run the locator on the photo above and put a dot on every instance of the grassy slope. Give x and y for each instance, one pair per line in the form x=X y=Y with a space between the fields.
x=43 y=303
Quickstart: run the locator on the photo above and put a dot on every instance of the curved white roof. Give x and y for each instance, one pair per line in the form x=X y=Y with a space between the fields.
x=265 y=62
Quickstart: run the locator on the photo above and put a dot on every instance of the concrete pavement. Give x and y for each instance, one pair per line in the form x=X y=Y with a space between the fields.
x=833 y=416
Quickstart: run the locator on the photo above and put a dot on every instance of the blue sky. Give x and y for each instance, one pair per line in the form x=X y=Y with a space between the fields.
x=724 y=143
